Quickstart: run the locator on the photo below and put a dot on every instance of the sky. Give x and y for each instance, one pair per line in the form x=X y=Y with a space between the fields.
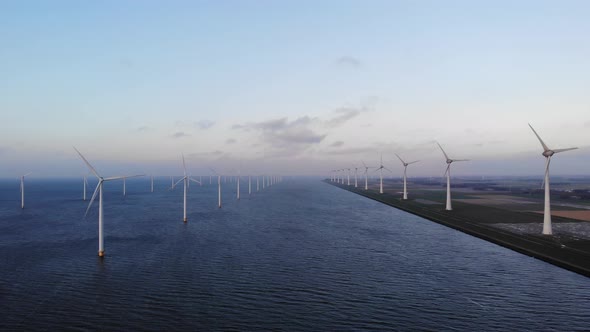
x=293 y=87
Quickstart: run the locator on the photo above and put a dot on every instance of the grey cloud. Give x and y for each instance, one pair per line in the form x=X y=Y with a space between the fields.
x=349 y=61
x=206 y=154
x=337 y=144
x=204 y=124
x=143 y=128
x=179 y=134
x=342 y=115
x=230 y=141
x=292 y=137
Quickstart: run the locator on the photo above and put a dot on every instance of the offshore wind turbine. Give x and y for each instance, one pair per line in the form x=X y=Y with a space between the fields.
x=152 y=183
x=22 y=190
x=218 y=188
x=348 y=176
x=380 y=169
x=547 y=153
x=98 y=190
x=448 y=175
x=85 y=185
x=356 y=169
x=405 y=170
x=186 y=179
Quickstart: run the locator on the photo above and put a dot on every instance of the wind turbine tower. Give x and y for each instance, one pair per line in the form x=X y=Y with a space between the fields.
x=405 y=171
x=448 y=174
x=547 y=153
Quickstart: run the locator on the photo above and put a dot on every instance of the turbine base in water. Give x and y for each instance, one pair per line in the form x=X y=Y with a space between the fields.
x=184 y=219
x=101 y=253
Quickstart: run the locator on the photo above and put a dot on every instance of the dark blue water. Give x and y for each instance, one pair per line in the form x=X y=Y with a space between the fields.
x=301 y=255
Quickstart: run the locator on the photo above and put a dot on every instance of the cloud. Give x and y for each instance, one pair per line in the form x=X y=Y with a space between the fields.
x=201 y=124
x=143 y=128
x=349 y=61
x=284 y=136
x=230 y=141
x=206 y=154
x=343 y=114
x=337 y=144
x=179 y=134
x=204 y=124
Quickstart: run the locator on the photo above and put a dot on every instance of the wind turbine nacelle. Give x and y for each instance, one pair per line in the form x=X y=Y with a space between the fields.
x=548 y=153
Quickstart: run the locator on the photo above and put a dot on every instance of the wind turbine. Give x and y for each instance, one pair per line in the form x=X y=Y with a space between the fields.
x=249 y=185
x=98 y=190
x=366 y=175
x=238 y=186
x=85 y=185
x=186 y=179
x=348 y=176
x=152 y=183
x=448 y=174
x=405 y=170
x=380 y=169
x=356 y=169
x=22 y=190
x=218 y=187
x=547 y=153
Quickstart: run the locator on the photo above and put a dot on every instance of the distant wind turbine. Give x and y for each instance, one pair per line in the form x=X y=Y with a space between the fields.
x=98 y=190
x=405 y=170
x=186 y=180
x=218 y=187
x=366 y=175
x=380 y=169
x=22 y=190
x=85 y=185
x=448 y=175
x=547 y=153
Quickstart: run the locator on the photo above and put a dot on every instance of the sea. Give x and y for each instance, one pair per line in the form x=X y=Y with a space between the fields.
x=301 y=255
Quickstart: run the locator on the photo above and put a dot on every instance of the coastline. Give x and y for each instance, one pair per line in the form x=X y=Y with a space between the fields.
x=550 y=249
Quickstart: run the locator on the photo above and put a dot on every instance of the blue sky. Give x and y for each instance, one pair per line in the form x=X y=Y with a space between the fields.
x=301 y=86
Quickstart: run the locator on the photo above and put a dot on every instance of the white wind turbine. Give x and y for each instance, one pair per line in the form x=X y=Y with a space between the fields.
x=448 y=175
x=218 y=187
x=152 y=183
x=366 y=175
x=348 y=176
x=547 y=153
x=380 y=169
x=85 y=185
x=98 y=190
x=22 y=190
x=405 y=170
x=186 y=180
x=356 y=169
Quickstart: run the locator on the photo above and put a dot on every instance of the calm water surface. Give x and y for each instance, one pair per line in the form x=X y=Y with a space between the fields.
x=301 y=255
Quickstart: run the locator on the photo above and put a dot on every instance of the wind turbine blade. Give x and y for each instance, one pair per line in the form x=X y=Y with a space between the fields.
x=197 y=181
x=540 y=140
x=413 y=162
x=563 y=150
x=388 y=169
x=364 y=164
x=177 y=182
x=461 y=160
x=27 y=174
x=398 y=157
x=122 y=177
x=93 y=197
x=87 y=163
x=183 y=165
x=447 y=170
x=546 y=171
x=443 y=151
